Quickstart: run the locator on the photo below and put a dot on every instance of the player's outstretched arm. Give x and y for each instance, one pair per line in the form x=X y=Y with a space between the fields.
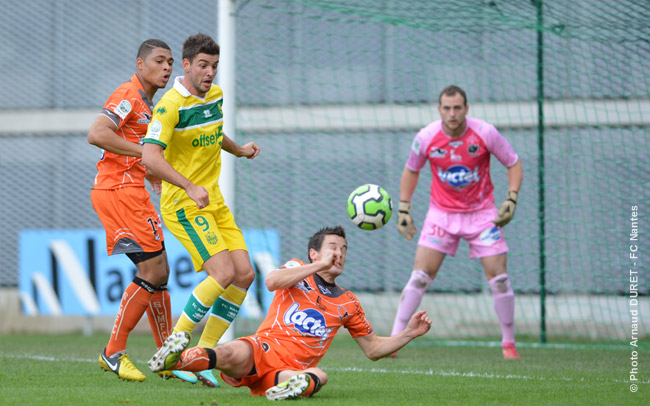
x=376 y=347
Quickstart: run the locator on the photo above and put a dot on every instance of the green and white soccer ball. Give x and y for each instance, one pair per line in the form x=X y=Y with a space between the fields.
x=370 y=207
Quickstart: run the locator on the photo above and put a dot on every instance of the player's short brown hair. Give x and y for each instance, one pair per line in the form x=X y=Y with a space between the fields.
x=316 y=240
x=199 y=44
x=450 y=91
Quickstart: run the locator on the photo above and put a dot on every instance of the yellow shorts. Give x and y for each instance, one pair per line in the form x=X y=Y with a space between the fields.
x=205 y=232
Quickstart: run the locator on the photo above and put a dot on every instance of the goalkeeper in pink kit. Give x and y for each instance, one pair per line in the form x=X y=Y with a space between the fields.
x=458 y=149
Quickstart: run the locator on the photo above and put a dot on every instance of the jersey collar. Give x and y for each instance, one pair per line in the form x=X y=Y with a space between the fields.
x=180 y=88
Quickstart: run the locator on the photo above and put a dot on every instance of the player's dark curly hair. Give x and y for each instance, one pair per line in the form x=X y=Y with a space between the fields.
x=452 y=90
x=147 y=46
x=199 y=44
x=316 y=240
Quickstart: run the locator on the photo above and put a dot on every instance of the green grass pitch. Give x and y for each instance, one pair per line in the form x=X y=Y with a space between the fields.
x=62 y=370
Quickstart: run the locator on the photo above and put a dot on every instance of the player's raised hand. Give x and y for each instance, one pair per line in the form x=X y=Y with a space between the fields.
x=405 y=221
x=507 y=209
x=199 y=194
x=419 y=324
x=328 y=258
x=250 y=150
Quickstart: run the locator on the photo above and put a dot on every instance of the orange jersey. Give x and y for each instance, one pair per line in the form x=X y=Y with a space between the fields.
x=130 y=110
x=304 y=318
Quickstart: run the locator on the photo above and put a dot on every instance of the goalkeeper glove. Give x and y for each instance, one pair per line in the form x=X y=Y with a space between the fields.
x=507 y=209
x=405 y=221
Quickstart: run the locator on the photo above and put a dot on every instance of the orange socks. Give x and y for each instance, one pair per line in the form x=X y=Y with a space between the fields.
x=159 y=314
x=135 y=301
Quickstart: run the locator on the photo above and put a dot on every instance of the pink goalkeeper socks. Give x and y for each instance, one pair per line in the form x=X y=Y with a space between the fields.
x=411 y=299
x=504 y=305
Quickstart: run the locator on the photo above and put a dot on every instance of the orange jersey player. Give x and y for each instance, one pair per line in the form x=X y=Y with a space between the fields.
x=123 y=206
x=280 y=360
x=304 y=318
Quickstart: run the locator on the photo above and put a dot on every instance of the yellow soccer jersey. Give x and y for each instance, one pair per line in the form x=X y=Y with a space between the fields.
x=190 y=129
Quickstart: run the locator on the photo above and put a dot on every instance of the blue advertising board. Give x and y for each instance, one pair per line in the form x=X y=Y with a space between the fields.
x=68 y=271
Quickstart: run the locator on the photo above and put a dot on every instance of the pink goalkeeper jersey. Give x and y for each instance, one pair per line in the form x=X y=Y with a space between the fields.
x=460 y=166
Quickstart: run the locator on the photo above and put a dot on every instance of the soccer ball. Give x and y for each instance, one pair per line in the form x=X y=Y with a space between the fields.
x=369 y=207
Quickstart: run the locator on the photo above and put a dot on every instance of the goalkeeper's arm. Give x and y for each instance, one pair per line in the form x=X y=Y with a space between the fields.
x=507 y=209
x=407 y=186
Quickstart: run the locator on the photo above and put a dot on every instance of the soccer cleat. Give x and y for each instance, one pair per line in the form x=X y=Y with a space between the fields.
x=289 y=389
x=207 y=378
x=169 y=353
x=510 y=351
x=393 y=355
x=121 y=366
x=184 y=376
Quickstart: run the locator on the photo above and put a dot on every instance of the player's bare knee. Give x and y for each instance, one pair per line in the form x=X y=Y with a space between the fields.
x=244 y=277
x=235 y=358
x=154 y=270
x=223 y=275
x=227 y=357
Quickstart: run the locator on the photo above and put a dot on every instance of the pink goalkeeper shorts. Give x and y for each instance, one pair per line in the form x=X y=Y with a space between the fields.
x=442 y=232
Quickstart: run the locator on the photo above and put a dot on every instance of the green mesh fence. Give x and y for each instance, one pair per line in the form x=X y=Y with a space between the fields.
x=337 y=104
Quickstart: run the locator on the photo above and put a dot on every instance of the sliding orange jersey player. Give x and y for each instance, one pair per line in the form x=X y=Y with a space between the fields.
x=299 y=328
x=281 y=359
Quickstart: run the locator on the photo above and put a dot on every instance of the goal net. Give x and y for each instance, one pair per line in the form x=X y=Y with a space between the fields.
x=335 y=91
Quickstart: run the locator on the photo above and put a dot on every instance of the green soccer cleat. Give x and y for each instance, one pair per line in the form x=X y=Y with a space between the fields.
x=121 y=365
x=207 y=378
x=167 y=355
x=184 y=376
x=290 y=389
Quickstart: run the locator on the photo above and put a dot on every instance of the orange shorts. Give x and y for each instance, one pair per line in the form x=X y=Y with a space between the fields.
x=270 y=359
x=131 y=222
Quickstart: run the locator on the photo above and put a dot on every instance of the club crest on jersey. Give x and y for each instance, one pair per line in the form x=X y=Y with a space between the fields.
x=473 y=149
x=458 y=176
x=308 y=322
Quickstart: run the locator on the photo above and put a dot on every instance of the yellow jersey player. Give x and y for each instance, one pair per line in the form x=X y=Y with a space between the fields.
x=187 y=126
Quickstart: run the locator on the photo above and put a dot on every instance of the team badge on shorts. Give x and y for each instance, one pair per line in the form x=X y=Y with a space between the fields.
x=491 y=235
x=211 y=237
